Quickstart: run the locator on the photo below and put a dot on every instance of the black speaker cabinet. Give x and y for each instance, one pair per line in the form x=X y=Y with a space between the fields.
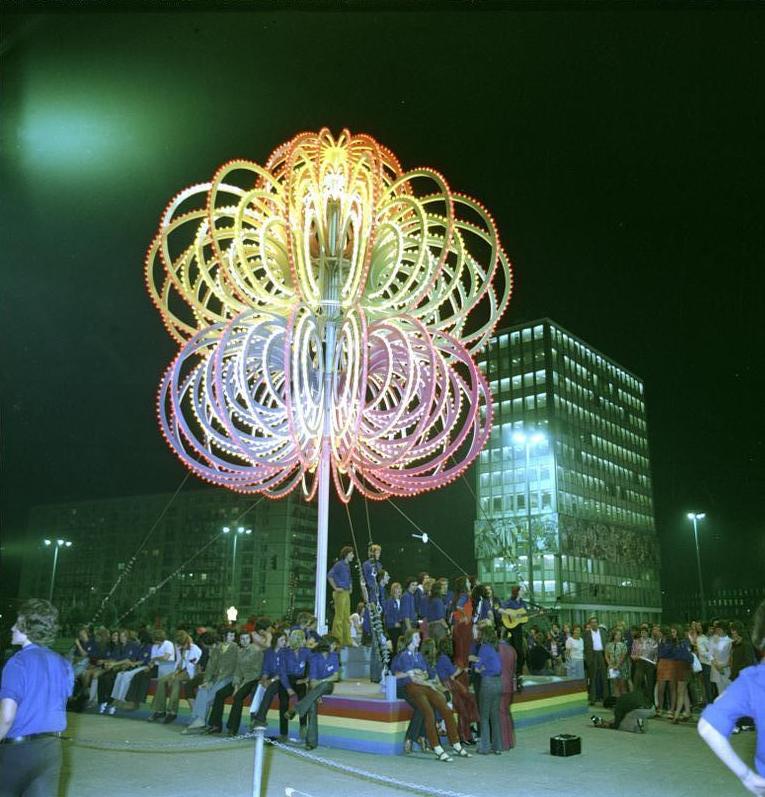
x=565 y=744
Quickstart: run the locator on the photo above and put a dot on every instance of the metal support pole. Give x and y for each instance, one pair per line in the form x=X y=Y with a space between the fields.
x=320 y=605
x=528 y=519
x=53 y=573
x=257 y=769
x=330 y=278
x=233 y=570
x=698 y=565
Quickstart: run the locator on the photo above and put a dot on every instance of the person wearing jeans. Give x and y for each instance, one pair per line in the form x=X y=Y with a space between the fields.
x=489 y=665
x=219 y=674
x=249 y=669
x=323 y=671
x=275 y=681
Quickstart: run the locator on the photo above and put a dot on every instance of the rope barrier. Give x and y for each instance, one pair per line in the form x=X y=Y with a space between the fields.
x=373 y=776
x=207 y=745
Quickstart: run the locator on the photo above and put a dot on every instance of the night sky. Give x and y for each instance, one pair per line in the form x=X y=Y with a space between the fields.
x=620 y=152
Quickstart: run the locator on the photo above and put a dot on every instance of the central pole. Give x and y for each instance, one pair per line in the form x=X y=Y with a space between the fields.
x=330 y=306
x=322 y=536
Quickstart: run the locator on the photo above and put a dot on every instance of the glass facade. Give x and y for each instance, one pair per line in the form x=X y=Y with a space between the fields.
x=272 y=568
x=567 y=464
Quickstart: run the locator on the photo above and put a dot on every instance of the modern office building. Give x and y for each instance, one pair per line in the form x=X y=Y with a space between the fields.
x=725 y=603
x=564 y=484
x=188 y=570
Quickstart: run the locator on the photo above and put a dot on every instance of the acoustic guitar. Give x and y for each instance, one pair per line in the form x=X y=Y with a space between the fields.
x=511 y=618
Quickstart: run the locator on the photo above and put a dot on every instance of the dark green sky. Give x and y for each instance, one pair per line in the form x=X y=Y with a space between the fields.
x=620 y=153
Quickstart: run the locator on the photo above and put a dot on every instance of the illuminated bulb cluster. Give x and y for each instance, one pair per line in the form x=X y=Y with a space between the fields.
x=326 y=298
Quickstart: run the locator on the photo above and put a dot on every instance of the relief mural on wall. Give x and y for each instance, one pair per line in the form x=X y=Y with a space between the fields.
x=597 y=540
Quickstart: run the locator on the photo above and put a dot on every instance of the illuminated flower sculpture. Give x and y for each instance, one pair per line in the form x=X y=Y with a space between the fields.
x=327 y=306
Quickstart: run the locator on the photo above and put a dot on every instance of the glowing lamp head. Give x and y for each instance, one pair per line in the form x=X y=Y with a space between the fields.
x=329 y=294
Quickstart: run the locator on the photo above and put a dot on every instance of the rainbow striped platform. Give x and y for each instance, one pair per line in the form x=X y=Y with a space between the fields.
x=358 y=717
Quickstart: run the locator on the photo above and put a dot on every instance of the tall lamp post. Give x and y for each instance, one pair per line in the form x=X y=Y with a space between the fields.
x=695 y=517
x=239 y=531
x=55 y=544
x=529 y=441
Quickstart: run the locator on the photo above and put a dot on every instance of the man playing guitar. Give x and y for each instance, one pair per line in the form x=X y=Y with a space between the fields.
x=515 y=603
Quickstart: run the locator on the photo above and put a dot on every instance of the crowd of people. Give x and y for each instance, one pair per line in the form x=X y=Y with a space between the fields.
x=447 y=659
x=452 y=651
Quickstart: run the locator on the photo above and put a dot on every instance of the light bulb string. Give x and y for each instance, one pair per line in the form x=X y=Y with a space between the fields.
x=129 y=566
x=153 y=590
x=430 y=539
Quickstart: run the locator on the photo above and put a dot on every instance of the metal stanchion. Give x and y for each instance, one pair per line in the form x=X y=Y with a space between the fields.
x=257 y=770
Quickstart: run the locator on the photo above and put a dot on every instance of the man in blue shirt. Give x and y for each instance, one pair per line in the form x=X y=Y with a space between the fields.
x=371 y=570
x=408 y=605
x=323 y=671
x=339 y=578
x=36 y=683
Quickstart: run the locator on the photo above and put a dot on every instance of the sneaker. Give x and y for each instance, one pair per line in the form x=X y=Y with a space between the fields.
x=169 y=718
x=595 y=720
x=156 y=715
x=111 y=711
x=641 y=725
x=102 y=708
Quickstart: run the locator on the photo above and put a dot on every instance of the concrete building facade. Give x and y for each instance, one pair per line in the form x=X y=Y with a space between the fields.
x=266 y=571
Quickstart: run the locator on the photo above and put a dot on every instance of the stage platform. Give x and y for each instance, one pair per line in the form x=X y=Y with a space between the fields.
x=360 y=716
x=357 y=716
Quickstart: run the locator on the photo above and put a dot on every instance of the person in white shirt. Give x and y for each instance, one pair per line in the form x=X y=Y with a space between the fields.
x=720 y=649
x=575 y=653
x=595 y=639
x=185 y=657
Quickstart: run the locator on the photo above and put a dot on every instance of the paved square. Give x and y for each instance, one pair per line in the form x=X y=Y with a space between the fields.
x=142 y=758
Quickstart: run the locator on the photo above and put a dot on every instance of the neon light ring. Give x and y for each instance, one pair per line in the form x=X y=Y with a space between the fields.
x=327 y=307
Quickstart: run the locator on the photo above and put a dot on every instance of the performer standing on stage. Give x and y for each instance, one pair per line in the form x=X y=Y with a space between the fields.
x=36 y=684
x=339 y=578
x=515 y=602
x=370 y=570
x=409 y=605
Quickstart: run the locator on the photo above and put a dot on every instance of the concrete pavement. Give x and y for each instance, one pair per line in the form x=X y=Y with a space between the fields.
x=115 y=757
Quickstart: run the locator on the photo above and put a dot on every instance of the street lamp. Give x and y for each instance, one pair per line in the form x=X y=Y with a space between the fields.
x=55 y=544
x=695 y=517
x=239 y=531
x=529 y=441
